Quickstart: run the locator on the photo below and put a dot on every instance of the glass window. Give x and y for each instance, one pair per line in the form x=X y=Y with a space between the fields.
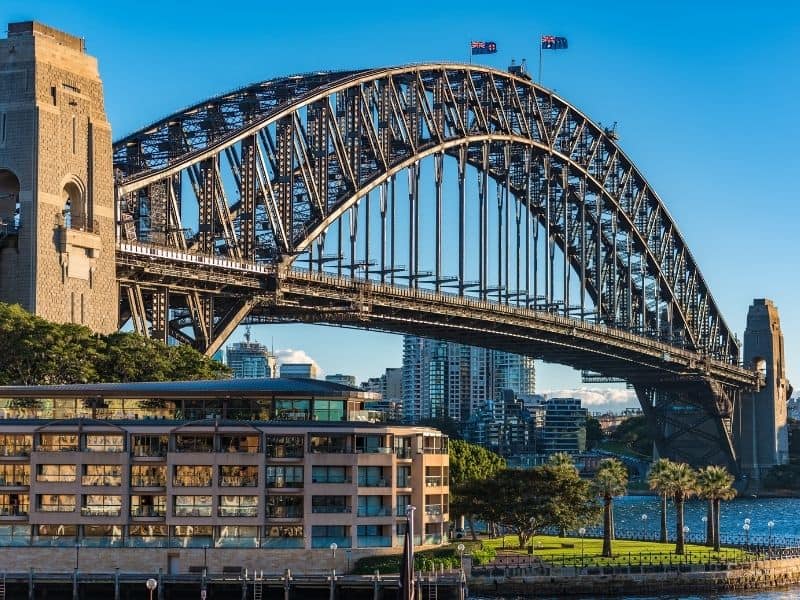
x=330 y=504
x=104 y=442
x=147 y=505
x=238 y=506
x=284 y=446
x=238 y=476
x=369 y=443
x=332 y=443
x=283 y=536
x=58 y=442
x=148 y=476
x=403 y=477
x=330 y=474
x=284 y=507
x=373 y=477
x=15 y=474
x=192 y=536
x=104 y=475
x=14 y=505
x=15 y=535
x=192 y=476
x=434 y=444
x=149 y=445
x=240 y=443
x=192 y=506
x=55 y=473
x=194 y=443
x=55 y=503
x=292 y=410
x=147 y=536
x=15 y=445
x=284 y=477
x=100 y=505
x=403 y=501
x=102 y=536
x=54 y=535
x=236 y=536
x=322 y=536
x=373 y=506
x=329 y=410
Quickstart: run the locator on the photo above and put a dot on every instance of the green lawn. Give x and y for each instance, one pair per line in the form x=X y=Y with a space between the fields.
x=571 y=551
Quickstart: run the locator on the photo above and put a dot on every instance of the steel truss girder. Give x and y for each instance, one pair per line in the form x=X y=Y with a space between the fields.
x=367 y=126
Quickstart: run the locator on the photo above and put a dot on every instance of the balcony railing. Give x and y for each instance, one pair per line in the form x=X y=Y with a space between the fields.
x=20 y=510
x=192 y=482
x=373 y=483
x=149 y=451
x=46 y=508
x=55 y=478
x=331 y=479
x=146 y=481
x=15 y=451
x=149 y=511
x=235 y=481
x=282 y=483
x=374 y=541
x=237 y=511
x=331 y=509
x=101 y=480
x=433 y=509
x=285 y=512
x=192 y=511
x=101 y=511
x=403 y=452
x=435 y=480
x=18 y=480
x=326 y=541
x=374 y=511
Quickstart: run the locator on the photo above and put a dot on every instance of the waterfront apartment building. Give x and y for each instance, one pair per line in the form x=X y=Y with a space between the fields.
x=302 y=475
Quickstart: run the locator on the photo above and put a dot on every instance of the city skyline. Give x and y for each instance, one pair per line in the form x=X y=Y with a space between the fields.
x=708 y=167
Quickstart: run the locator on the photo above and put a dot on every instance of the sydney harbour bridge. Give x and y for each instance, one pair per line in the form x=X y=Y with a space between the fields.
x=449 y=201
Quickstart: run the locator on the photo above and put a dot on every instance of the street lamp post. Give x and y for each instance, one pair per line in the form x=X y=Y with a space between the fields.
x=770 y=525
x=704 y=519
x=151 y=584
x=582 y=532
x=644 y=526
x=746 y=528
x=460 y=549
x=77 y=556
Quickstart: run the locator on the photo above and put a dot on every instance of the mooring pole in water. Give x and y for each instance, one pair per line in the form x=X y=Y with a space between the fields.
x=287 y=583
x=31 y=595
x=376 y=585
x=116 y=583
x=75 y=584
x=160 y=588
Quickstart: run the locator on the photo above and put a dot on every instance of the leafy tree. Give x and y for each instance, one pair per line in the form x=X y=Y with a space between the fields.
x=714 y=484
x=470 y=464
x=563 y=462
x=528 y=500
x=657 y=481
x=635 y=434
x=34 y=351
x=681 y=483
x=611 y=479
x=594 y=433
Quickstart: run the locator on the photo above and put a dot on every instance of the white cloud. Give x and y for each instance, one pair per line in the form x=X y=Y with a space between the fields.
x=611 y=399
x=296 y=356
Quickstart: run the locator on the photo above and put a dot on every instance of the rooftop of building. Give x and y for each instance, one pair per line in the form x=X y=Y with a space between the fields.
x=36 y=28
x=215 y=388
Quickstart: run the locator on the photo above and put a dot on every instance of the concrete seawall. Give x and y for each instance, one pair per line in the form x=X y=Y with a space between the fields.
x=573 y=581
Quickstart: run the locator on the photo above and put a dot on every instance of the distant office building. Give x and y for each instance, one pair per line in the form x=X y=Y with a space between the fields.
x=343 y=379
x=392 y=384
x=564 y=426
x=299 y=370
x=249 y=359
x=445 y=379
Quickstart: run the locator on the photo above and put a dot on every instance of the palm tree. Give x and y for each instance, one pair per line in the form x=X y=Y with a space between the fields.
x=610 y=480
x=657 y=481
x=681 y=483
x=715 y=484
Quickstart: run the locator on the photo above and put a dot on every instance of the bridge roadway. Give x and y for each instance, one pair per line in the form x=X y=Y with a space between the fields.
x=274 y=294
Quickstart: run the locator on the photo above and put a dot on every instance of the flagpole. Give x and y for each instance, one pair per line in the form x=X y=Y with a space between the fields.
x=410 y=526
x=540 y=59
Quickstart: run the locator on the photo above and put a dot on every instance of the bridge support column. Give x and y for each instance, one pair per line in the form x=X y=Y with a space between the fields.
x=56 y=181
x=761 y=430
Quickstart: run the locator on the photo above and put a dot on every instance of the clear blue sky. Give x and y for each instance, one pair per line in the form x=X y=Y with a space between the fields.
x=704 y=94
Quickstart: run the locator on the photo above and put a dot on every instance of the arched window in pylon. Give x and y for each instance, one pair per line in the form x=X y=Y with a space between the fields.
x=9 y=199
x=75 y=210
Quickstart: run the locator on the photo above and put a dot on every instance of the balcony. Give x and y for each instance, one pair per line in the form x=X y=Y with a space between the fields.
x=192 y=482
x=374 y=541
x=50 y=508
x=15 y=451
x=19 y=510
x=282 y=483
x=331 y=479
x=16 y=481
x=433 y=510
x=403 y=452
x=190 y=511
x=435 y=481
x=145 y=481
x=373 y=483
x=101 y=480
x=431 y=539
x=285 y=512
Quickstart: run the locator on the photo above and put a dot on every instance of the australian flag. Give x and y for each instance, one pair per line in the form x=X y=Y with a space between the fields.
x=553 y=42
x=483 y=47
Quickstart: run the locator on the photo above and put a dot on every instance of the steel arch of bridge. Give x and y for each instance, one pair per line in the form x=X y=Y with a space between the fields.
x=302 y=151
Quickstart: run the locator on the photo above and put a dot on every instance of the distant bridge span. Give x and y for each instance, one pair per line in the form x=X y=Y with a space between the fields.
x=444 y=200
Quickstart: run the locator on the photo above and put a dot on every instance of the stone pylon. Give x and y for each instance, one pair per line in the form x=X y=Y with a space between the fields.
x=761 y=432
x=57 y=219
